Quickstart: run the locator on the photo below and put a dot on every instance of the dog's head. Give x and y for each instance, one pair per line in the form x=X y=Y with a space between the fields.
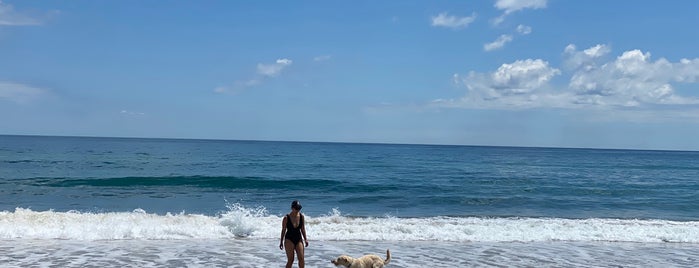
x=342 y=260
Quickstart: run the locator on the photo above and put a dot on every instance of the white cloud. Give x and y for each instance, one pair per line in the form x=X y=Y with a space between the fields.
x=523 y=83
x=498 y=20
x=510 y=6
x=131 y=113
x=524 y=30
x=322 y=58
x=222 y=89
x=597 y=51
x=586 y=58
x=523 y=76
x=498 y=43
x=264 y=71
x=444 y=20
x=10 y=17
x=506 y=38
x=19 y=93
x=273 y=69
x=686 y=71
x=632 y=80
x=456 y=79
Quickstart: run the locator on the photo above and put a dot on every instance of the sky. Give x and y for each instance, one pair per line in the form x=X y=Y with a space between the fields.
x=543 y=73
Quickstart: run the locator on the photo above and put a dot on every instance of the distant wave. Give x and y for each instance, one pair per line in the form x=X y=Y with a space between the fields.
x=19 y=161
x=256 y=223
x=225 y=182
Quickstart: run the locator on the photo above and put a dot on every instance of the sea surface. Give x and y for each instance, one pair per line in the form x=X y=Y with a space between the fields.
x=126 y=202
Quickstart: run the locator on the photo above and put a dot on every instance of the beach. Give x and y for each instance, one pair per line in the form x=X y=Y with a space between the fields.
x=265 y=253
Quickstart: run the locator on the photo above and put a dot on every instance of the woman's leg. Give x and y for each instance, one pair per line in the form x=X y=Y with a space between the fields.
x=289 y=247
x=299 y=253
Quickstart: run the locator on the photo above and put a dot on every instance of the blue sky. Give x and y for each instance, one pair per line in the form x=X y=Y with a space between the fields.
x=601 y=74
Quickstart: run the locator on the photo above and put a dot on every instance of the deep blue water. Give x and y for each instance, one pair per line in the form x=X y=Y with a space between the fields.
x=202 y=176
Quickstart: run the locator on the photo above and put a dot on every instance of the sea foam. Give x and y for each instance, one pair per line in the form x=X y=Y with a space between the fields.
x=255 y=223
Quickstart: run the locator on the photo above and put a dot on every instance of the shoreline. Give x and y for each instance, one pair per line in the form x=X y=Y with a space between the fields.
x=265 y=253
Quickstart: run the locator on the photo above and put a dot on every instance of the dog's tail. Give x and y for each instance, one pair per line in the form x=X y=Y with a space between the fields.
x=388 y=257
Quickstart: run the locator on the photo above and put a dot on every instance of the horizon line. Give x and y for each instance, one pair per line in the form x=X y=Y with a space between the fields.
x=347 y=142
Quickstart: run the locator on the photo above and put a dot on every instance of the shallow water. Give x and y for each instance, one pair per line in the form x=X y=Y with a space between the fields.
x=265 y=253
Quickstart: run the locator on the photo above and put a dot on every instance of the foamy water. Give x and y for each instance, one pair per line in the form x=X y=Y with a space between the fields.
x=265 y=253
x=256 y=223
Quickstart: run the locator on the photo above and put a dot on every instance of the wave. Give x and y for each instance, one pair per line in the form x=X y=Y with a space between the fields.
x=255 y=223
x=224 y=182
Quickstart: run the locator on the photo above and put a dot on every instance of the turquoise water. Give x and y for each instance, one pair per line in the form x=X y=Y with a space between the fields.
x=198 y=176
x=494 y=206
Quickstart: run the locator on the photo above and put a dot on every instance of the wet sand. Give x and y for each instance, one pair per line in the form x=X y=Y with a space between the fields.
x=265 y=253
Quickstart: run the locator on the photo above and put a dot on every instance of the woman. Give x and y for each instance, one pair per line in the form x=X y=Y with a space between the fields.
x=293 y=229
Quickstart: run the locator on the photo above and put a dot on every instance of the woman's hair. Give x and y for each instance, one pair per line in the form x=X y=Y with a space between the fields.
x=296 y=205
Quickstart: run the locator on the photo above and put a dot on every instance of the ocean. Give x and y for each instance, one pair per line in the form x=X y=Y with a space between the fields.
x=128 y=202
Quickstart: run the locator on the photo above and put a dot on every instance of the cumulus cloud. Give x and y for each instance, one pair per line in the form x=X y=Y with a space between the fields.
x=587 y=58
x=498 y=43
x=632 y=80
x=19 y=93
x=510 y=6
x=454 y=22
x=523 y=75
x=264 y=71
x=10 y=17
x=523 y=83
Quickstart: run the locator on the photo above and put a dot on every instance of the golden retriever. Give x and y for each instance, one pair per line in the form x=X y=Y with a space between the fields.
x=366 y=261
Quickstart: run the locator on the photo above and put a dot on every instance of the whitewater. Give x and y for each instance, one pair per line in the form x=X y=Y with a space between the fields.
x=246 y=237
x=256 y=223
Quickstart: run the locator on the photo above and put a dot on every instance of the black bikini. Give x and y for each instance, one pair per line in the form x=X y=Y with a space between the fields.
x=293 y=234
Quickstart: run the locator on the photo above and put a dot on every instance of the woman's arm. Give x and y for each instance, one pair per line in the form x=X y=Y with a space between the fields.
x=281 y=239
x=303 y=230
